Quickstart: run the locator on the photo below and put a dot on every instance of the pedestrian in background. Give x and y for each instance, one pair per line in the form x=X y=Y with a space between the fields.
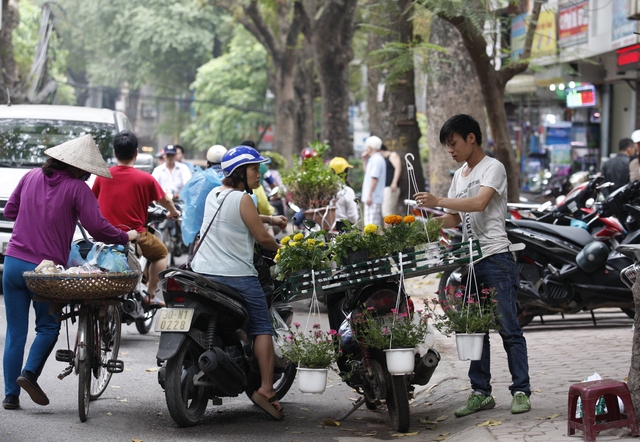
x=391 y=189
x=478 y=199
x=180 y=158
x=171 y=175
x=616 y=170
x=373 y=183
x=46 y=206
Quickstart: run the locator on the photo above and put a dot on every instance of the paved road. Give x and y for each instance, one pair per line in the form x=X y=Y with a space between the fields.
x=562 y=352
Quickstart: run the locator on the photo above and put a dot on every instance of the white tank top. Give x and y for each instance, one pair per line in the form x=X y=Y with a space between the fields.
x=228 y=248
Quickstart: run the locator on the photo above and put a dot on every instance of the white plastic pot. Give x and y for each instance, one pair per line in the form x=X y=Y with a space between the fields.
x=470 y=346
x=400 y=360
x=312 y=380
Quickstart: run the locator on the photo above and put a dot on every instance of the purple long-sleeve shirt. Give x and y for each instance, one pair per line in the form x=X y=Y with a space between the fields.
x=46 y=210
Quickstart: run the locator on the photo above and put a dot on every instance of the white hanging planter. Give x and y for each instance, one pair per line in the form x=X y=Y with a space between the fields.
x=469 y=346
x=400 y=360
x=312 y=380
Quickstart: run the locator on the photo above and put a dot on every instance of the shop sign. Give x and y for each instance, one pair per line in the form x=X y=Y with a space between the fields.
x=544 y=40
x=581 y=96
x=518 y=32
x=573 y=24
x=622 y=29
x=628 y=58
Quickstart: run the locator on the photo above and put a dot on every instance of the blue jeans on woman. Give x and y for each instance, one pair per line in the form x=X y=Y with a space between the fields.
x=17 y=299
x=500 y=272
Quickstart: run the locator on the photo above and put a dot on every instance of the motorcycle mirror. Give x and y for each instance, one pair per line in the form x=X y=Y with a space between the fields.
x=273 y=191
x=589 y=203
x=293 y=207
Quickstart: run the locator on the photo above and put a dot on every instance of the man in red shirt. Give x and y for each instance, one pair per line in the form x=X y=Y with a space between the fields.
x=124 y=201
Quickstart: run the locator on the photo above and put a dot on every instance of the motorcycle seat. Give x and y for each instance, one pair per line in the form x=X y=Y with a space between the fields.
x=575 y=235
x=213 y=285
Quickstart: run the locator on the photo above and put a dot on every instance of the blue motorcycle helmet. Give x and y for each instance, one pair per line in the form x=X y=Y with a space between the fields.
x=240 y=156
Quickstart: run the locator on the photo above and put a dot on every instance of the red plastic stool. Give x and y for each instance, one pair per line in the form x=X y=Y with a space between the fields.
x=589 y=393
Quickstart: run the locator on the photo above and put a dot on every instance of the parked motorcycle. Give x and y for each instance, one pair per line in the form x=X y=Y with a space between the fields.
x=562 y=268
x=364 y=369
x=206 y=350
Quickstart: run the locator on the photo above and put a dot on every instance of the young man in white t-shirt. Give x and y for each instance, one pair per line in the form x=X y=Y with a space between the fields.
x=478 y=199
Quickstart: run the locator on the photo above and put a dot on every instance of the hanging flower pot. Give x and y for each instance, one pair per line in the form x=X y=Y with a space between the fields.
x=469 y=346
x=400 y=360
x=312 y=380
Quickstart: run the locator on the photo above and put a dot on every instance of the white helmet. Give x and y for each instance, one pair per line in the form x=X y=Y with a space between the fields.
x=635 y=136
x=215 y=153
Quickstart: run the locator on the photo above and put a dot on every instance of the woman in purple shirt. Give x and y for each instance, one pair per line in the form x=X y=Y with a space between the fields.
x=46 y=205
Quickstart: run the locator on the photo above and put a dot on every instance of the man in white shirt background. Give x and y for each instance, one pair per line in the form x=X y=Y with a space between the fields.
x=172 y=175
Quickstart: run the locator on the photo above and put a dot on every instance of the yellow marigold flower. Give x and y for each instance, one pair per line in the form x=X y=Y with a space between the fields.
x=285 y=240
x=321 y=244
x=310 y=242
x=298 y=236
x=409 y=219
x=370 y=228
x=293 y=243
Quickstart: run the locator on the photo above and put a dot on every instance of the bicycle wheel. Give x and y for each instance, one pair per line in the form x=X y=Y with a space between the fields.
x=83 y=358
x=107 y=345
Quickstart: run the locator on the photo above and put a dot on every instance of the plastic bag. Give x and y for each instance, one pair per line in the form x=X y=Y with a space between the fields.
x=110 y=258
x=194 y=194
x=75 y=258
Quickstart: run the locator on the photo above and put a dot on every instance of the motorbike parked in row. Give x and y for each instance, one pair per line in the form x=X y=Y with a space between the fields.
x=564 y=270
x=206 y=349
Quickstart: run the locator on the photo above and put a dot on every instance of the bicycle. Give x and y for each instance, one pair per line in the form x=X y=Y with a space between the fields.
x=97 y=343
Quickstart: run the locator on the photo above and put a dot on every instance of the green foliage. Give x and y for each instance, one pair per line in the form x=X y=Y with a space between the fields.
x=301 y=253
x=277 y=160
x=311 y=183
x=406 y=232
x=230 y=93
x=313 y=349
x=350 y=241
x=395 y=330
x=462 y=313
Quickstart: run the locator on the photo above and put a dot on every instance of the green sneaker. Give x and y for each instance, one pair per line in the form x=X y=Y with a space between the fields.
x=520 y=403
x=476 y=402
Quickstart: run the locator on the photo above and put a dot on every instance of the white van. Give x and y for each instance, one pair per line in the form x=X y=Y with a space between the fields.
x=26 y=131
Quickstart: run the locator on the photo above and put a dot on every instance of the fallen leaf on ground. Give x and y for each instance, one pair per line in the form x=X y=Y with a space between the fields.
x=303 y=408
x=490 y=423
x=116 y=386
x=537 y=391
x=353 y=399
x=123 y=400
x=149 y=370
x=553 y=416
x=464 y=388
x=109 y=413
x=405 y=434
x=433 y=386
x=123 y=353
x=136 y=440
x=442 y=418
x=331 y=423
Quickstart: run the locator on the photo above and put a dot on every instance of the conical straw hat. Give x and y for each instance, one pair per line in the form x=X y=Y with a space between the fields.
x=82 y=153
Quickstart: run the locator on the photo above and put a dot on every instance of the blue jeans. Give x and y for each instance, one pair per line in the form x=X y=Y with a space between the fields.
x=254 y=300
x=500 y=271
x=17 y=299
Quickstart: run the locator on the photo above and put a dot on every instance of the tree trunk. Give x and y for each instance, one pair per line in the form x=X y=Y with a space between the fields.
x=283 y=136
x=8 y=74
x=332 y=28
x=452 y=88
x=396 y=114
x=374 y=42
x=305 y=88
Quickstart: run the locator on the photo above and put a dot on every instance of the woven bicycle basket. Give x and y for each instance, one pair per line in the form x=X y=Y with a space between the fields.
x=81 y=286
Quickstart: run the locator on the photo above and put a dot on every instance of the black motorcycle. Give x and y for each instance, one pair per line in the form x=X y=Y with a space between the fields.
x=364 y=369
x=206 y=350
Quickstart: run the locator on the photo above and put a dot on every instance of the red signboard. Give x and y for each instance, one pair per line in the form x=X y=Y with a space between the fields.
x=628 y=58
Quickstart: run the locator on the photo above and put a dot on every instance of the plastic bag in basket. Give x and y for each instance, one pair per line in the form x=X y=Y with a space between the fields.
x=110 y=258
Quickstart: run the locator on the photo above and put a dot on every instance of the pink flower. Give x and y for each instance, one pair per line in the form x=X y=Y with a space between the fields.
x=394 y=311
x=316 y=326
x=371 y=308
x=332 y=332
x=404 y=314
x=486 y=291
x=459 y=294
x=471 y=301
x=296 y=324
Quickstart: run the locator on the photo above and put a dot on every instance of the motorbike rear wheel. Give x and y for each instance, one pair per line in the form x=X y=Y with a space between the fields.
x=186 y=402
x=143 y=325
x=398 y=403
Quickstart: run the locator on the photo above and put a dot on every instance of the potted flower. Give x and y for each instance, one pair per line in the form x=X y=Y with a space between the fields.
x=397 y=334
x=301 y=253
x=354 y=245
x=405 y=234
x=311 y=183
x=314 y=352
x=469 y=317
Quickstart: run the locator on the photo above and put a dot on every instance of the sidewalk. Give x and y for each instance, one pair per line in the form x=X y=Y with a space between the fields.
x=561 y=352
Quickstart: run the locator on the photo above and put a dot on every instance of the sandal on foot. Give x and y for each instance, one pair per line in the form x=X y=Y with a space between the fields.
x=149 y=304
x=268 y=405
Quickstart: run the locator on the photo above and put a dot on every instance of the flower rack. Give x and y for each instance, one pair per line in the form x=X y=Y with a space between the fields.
x=414 y=264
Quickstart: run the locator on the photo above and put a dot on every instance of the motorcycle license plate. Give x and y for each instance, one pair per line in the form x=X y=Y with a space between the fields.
x=174 y=320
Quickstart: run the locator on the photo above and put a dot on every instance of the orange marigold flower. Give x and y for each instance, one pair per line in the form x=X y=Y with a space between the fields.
x=409 y=219
x=393 y=219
